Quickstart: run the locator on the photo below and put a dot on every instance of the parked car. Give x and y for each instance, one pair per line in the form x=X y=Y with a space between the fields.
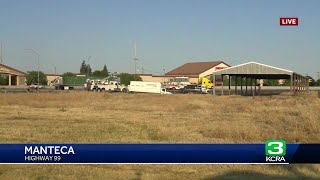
x=34 y=86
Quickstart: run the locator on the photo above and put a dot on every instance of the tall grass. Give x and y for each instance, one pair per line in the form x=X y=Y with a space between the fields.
x=145 y=118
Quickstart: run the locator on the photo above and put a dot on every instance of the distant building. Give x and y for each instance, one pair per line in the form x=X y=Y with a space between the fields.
x=195 y=70
x=11 y=76
x=80 y=74
x=153 y=78
x=192 y=70
x=52 y=77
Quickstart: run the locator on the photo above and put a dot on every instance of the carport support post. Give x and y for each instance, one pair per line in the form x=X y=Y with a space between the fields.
x=255 y=85
x=294 y=84
x=222 y=85
x=306 y=80
x=229 y=84
x=241 y=85
x=307 y=84
x=246 y=86
x=251 y=85
x=299 y=85
x=236 y=86
x=214 y=85
x=303 y=85
x=291 y=84
x=259 y=87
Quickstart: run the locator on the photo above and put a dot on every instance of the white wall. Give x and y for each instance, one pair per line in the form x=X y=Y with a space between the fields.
x=210 y=71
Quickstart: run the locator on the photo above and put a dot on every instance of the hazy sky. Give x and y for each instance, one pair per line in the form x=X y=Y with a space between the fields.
x=168 y=33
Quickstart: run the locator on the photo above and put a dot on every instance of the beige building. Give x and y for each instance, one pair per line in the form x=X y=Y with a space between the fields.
x=153 y=78
x=52 y=77
x=12 y=76
x=195 y=70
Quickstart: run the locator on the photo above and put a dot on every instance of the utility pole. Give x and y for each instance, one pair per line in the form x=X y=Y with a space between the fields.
x=318 y=75
x=38 y=55
x=164 y=72
x=88 y=66
x=55 y=70
x=135 y=59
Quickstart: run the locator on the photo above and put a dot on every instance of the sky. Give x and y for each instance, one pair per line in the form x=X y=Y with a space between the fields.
x=168 y=33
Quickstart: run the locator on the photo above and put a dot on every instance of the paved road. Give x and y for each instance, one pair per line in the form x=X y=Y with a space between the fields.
x=266 y=90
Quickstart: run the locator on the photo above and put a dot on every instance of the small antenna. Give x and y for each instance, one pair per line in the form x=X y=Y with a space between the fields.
x=135 y=59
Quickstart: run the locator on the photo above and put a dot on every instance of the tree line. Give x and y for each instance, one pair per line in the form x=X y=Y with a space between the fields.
x=85 y=69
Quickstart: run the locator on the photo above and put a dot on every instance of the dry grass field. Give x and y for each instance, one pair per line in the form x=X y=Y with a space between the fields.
x=84 y=117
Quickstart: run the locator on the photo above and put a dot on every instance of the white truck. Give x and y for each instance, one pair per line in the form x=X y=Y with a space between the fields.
x=111 y=86
x=178 y=83
x=147 y=87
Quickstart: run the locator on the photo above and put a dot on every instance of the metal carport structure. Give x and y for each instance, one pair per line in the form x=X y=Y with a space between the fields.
x=254 y=71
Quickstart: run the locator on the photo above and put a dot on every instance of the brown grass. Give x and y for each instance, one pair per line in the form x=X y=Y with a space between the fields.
x=136 y=118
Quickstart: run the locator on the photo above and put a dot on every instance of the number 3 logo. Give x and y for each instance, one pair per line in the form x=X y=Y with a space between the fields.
x=275 y=148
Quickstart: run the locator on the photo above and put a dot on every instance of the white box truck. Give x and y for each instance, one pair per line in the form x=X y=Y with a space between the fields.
x=147 y=87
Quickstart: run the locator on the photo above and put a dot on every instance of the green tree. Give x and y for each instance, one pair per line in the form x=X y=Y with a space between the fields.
x=97 y=73
x=287 y=82
x=32 y=77
x=126 y=78
x=271 y=82
x=68 y=74
x=317 y=82
x=89 y=70
x=83 y=67
x=3 y=80
x=312 y=82
x=105 y=71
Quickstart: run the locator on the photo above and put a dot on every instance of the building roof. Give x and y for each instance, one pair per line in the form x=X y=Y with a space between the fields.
x=194 y=68
x=53 y=74
x=257 y=70
x=12 y=69
x=141 y=74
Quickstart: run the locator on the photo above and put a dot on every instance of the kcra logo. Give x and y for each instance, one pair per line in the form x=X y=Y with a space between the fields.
x=276 y=150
